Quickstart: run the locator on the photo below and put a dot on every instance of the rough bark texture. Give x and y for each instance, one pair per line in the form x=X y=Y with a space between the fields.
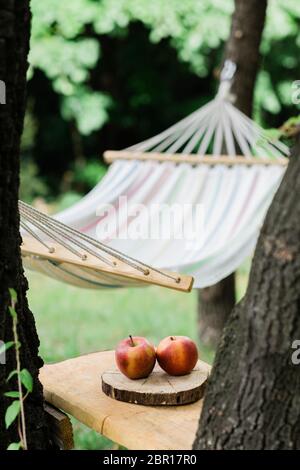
x=253 y=396
x=216 y=302
x=214 y=306
x=14 y=44
x=243 y=48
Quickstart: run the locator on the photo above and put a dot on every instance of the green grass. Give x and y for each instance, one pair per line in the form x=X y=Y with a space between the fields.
x=72 y=321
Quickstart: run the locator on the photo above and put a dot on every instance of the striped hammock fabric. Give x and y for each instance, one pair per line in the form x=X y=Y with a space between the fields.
x=234 y=201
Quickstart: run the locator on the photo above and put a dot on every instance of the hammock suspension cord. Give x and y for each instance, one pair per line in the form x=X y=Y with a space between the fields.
x=68 y=237
x=217 y=128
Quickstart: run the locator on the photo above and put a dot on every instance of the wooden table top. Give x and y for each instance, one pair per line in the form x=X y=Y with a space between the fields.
x=74 y=386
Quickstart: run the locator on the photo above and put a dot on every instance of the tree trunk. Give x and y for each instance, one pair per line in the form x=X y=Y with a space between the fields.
x=214 y=305
x=216 y=302
x=14 y=44
x=253 y=397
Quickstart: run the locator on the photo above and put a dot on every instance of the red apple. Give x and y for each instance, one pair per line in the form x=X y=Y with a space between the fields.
x=177 y=355
x=135 y=357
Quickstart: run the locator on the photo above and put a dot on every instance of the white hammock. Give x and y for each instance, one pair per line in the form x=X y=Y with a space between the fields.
x=234 y=193
x=70 y=256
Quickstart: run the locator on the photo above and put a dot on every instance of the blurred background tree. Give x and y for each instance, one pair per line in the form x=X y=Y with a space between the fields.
x=108 y=73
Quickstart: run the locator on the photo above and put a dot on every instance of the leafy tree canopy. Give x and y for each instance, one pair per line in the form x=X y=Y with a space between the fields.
x=66 y=46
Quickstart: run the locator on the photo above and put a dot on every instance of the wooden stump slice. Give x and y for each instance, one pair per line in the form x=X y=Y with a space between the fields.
x=157 y=389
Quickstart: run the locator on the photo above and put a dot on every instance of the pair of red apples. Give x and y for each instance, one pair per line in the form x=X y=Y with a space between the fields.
x=136 y=356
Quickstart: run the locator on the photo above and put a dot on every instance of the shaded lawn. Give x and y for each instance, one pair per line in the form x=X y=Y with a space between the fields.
x=73 y=321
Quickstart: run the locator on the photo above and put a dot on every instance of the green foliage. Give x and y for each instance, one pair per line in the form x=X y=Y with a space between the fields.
x=32 y=185
x=13 y=313
x=6 y=346
x=60 y=51
x=12 y=412
x=14 y=446
x=280 y=45
x=85 y=176
x=193 y=27
x=66 y=45
x=13 y=295
x=12 y=394
x=85 y=438
x=30 y=129
x=16 y=409
x=66 y=200
x=66 y=53
x=26 y=380
x=287 y=131
x=88 y=107
x=11 y=374
x=292 y=122
x=89 y=174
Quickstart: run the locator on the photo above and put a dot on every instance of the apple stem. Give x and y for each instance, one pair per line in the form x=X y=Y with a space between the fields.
x=132 y=343
x=172 y=338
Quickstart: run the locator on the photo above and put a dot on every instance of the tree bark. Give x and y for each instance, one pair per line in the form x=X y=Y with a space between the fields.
x=214 y=305
x=216 y=302
x=14 y=45
x=253 y=397
x=243 y=49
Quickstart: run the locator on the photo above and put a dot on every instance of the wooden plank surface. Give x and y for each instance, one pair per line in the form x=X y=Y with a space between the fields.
x=75 y=387
x=111 y=155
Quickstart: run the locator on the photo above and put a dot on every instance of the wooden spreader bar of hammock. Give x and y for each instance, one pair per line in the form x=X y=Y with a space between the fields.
x=59 y=254
x=112 y=155
x=56 y=242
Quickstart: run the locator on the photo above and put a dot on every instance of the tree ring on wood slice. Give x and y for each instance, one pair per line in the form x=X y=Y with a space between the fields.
x=157 y=389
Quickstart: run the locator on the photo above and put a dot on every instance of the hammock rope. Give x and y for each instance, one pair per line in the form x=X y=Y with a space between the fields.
x=219 y=128
x=33 y=221
x=223 y=129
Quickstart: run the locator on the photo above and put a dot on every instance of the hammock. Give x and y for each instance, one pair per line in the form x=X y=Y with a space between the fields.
x=70 y=256
x=216 y=159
